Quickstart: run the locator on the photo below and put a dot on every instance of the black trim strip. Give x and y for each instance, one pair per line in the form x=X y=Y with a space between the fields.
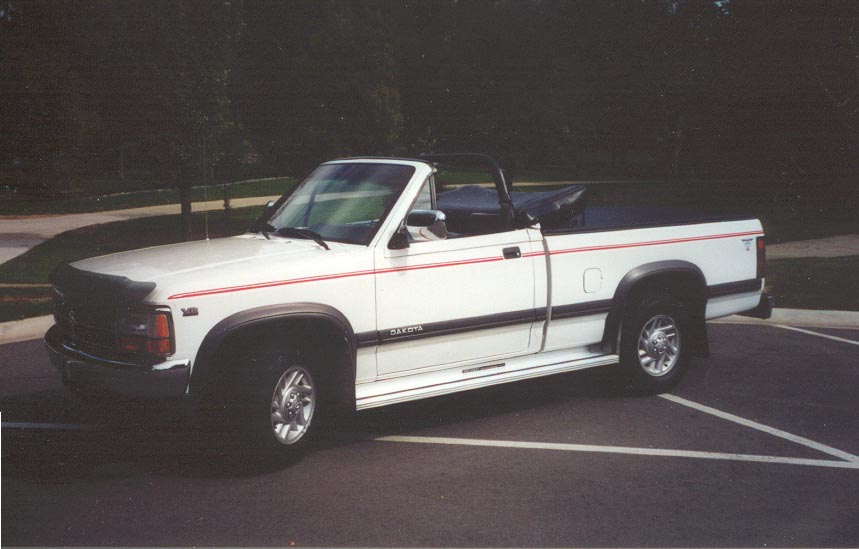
x=731 y=288
x=367 y=339
x=581 y=309
x=447 y=327
x=559 y=312
x=452 y=327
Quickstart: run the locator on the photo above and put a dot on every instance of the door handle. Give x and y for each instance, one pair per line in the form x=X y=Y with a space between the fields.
x=512 y=253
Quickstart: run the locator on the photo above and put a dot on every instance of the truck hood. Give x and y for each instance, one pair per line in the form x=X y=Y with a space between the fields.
x=190 y=259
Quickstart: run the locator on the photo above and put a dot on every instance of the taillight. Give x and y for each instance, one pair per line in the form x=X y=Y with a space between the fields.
x=761 y=246
x=149 y=332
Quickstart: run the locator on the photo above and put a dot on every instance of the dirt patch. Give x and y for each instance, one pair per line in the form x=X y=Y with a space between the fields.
x=24 y=299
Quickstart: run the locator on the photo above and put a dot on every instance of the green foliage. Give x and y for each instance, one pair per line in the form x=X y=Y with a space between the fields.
x=175 y=93
x=325 y=87
x=36 y=264
x=22 y=204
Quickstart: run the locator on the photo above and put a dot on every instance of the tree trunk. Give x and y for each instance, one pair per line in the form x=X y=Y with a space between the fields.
x=185 y=202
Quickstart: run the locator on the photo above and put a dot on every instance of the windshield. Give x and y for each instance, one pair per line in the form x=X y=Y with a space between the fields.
x=342 y=202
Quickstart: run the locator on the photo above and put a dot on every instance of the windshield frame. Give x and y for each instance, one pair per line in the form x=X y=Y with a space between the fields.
x=398 y=184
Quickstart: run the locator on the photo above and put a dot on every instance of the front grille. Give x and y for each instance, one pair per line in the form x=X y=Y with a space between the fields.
x=84 y=328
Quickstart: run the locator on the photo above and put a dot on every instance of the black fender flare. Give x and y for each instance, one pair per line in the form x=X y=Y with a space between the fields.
x=206 y=359
x=651 y=272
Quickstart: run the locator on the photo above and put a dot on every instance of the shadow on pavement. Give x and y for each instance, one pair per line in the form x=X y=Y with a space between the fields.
x=98 y=443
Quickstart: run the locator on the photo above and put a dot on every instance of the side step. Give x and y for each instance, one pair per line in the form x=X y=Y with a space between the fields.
x=383 y=393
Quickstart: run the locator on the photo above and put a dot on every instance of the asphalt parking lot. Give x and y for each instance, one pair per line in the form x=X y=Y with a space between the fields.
x=757 y=447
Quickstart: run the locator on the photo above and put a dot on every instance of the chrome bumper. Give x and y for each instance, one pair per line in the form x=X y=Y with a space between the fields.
x=89 y=374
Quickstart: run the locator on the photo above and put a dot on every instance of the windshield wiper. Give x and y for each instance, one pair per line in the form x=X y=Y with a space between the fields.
x=302 y=233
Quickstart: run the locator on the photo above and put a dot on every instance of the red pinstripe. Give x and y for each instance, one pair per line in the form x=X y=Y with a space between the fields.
x=318 y=278
x=653 y=243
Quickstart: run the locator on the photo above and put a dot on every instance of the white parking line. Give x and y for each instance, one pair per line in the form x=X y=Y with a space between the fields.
x=620 y=450
x=827 y=336
x=763 y=428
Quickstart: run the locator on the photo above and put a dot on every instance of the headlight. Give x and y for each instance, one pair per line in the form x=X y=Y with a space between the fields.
x=148 y=332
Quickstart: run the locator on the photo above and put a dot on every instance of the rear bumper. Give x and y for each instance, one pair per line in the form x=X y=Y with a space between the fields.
x=764 y=309
x=89 y=374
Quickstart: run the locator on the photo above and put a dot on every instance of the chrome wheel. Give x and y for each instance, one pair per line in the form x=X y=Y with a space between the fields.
x=659 y=345
x=292 y=405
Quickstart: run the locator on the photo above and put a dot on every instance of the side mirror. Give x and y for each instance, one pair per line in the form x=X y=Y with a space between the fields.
x=263 y=216
x=426 y=225
x=400 y=240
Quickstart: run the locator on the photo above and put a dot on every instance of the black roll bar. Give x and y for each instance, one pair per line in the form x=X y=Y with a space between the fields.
x=502 y=184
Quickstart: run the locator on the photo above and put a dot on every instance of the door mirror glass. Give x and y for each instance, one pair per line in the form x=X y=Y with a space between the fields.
x=426 y=225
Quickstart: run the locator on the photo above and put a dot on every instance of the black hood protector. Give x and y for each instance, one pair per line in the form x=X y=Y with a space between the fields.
x=99 y=289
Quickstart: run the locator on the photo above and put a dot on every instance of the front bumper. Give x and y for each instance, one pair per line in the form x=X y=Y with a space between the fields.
x=88 y=374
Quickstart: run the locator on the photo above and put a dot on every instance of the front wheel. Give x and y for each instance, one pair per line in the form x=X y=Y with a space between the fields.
x=274 y=401
x=293 y=404
x=652 y=344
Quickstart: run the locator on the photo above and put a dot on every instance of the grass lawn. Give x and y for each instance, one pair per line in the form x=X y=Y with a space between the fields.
x=34 y=266
x=18 y=303
x=12 y=204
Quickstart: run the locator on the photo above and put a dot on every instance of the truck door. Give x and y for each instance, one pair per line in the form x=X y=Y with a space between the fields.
x=465 y=298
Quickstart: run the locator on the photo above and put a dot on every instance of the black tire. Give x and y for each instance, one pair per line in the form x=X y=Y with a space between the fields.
x=654 y=343
x=280 y=401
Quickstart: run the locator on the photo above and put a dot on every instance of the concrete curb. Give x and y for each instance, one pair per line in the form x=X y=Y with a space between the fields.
x=801 y=317
x=35 y=328
x=25 y=330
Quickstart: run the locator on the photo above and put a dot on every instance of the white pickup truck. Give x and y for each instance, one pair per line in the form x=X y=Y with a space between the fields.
x=376 y=282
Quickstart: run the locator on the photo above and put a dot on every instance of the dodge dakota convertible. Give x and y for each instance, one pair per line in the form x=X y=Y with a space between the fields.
x=376 y=281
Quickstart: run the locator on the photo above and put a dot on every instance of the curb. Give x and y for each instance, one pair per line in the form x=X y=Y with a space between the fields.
x=25 y=330
x=800 y=317
x=35 y=328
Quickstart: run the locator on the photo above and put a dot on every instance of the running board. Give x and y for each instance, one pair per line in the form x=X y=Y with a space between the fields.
x=383 y=393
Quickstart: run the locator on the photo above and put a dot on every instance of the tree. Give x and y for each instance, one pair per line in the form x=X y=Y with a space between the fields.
x=318 y=81
x=188 y=56
x=48 y=118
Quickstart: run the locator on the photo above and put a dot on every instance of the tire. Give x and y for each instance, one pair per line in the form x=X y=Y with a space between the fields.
x=654 y=343
x=278 y=400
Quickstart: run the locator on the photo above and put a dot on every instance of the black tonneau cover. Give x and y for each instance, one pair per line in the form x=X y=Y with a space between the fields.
x=566 y=210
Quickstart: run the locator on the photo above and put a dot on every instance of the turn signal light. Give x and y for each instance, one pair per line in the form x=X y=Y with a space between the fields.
x=149 y=332
x=762 y=257
x=132 y=344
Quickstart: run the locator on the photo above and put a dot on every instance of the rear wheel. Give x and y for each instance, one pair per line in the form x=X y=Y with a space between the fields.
x=652 y=343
